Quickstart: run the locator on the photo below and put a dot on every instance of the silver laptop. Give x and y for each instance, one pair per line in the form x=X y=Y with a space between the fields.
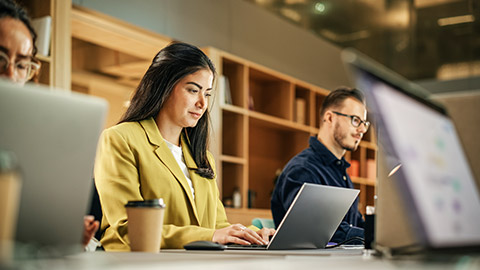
x=54 y=136
x=435 y=182
x=312 y=218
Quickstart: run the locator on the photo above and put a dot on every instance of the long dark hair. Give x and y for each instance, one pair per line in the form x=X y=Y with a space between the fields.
x=11 y=9
x=169 y=66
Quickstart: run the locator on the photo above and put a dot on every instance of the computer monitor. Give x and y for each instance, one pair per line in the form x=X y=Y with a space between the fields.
x=435 y=184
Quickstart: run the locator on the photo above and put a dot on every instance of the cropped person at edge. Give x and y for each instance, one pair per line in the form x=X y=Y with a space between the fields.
x=19 y=65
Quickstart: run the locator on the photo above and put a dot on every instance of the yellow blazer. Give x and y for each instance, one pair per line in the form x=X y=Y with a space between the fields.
x=134 y=163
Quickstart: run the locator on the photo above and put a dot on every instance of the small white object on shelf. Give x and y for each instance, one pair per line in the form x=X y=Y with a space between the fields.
x=300 y=110
x=43 y=27
x=224 y=87
x=237 y=199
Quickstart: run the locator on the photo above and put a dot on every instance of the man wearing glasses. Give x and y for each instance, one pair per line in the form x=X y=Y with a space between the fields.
x=342 y=125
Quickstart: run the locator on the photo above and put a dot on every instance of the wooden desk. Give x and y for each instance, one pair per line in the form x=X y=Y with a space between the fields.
x=213 y=260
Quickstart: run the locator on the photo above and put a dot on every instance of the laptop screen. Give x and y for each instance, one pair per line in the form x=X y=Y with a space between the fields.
x=436 y=179
x=54 y=136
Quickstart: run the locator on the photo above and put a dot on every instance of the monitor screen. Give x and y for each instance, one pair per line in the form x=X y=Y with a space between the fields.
x=435 y=176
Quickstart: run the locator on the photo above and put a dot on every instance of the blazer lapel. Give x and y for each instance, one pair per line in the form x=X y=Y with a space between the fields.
x=166 y=157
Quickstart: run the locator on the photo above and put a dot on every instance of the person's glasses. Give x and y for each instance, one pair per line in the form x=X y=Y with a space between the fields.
x=24 y=69
x=356 y=121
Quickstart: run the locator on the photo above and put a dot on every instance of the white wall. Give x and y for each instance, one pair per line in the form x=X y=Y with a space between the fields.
x=238 y=27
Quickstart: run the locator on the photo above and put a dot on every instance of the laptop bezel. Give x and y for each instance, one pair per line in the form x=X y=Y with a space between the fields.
x=288 y=214
x=30 y=130
x=357 y=63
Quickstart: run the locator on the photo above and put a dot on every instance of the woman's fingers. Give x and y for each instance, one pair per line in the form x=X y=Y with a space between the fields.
x=237 y=240
x=238 y=234
x=265 y=233
x=253 y=237
x=249 y=235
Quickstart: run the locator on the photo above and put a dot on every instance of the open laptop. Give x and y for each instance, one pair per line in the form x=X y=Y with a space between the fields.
x=312 y=218
x=54 y=136
x=435 y=185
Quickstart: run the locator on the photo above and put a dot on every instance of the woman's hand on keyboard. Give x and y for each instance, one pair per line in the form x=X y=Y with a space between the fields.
x=265 y=233
x=238 y=234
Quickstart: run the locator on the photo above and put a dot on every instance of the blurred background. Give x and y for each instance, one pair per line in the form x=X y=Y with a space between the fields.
x=435 y=43
x=420 y=39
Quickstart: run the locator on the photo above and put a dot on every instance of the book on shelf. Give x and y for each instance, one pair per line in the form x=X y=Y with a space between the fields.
x=354 y=170
x=224 y=87
x=300 y=111
x=371 y=169
x=43 y=27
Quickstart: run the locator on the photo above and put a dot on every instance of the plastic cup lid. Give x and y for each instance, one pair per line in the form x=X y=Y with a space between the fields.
x=156 y=203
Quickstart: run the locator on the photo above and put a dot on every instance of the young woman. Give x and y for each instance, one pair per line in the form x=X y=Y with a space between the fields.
x=159 y=150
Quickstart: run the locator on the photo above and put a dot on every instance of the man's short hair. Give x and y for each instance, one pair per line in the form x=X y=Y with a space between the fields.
x=336 y=98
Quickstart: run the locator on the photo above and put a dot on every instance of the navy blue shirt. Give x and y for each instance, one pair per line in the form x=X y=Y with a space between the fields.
x=317 y=165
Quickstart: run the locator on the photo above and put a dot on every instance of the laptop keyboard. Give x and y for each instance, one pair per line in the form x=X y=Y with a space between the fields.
x=252 y=246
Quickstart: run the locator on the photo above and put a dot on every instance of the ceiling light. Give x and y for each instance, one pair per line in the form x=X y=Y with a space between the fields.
x=456 y=20
x=319 y=7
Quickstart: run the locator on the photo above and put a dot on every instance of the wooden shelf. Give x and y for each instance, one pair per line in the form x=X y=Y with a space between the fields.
x=363 y=181
x=369 y=145
x=253 y=137
x=105 y=87
x=273 y=120
x=370 y=182
x=278 y=122
x=358 y=180
x=245 y=216
x=56 y=68
x=109 y=57
x=271 y=117
x=233 y=108
x=115 y=34
x=269 y=94
x=231 y=159
x=44 y=58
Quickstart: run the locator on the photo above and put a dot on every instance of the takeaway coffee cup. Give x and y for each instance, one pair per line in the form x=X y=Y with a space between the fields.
x=10 y=186
x=145 y=222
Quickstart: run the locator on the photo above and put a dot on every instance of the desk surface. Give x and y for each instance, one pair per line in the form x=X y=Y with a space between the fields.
x=212 y=260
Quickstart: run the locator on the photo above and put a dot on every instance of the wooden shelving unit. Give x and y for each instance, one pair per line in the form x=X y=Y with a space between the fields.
x=94 y=53
x=259 y=132
x=56 y=67
x=253 y=137
x=109 y=57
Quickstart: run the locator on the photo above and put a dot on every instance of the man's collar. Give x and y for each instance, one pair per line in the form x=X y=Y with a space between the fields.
x=324 y=153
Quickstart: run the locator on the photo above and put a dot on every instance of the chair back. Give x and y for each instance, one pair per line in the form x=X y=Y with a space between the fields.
x=263 y=223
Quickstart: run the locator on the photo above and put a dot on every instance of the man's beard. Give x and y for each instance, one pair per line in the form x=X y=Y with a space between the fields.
x=340 y=137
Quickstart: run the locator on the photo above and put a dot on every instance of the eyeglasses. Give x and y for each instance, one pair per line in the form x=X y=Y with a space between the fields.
x=356 y=121
x=24 y=69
